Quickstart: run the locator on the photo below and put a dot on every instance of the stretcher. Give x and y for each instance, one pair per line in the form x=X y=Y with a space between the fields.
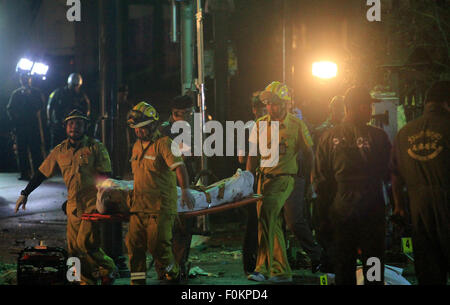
x=96 y=217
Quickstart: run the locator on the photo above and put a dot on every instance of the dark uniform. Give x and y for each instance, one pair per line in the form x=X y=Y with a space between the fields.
x=23 y=109
x=421 y=160
x=354 y=159
x=183 y=227
x=60 y=103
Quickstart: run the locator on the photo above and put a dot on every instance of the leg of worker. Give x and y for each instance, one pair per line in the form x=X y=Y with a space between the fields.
x=35 y=149
x=88 y=241
x=272 y=258
x=250 y=246
x=22 y=152
x=181 y=241
x=440 y=202
x=345 y=253
x=159 y=234
x=136 y=242
x=74 y=250
x=372 y=243
x=297 y=222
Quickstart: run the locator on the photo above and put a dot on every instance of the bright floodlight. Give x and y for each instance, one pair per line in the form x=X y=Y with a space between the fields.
x=39 y=68
x=24 y=64
x=324 y=69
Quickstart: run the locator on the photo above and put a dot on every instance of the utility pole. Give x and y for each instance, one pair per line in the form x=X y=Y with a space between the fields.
x=108 y=75
x=187 y=45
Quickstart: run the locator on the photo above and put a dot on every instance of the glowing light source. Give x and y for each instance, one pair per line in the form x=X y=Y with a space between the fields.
x=39 y=68
x=24 y=64
x=324 y=69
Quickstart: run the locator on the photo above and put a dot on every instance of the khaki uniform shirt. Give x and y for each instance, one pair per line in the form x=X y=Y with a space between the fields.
x=421 y=150
x=79 y=167
x=293 y=137
x=154 y=177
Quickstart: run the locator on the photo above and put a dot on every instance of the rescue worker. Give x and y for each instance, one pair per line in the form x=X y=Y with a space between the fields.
x=24 y=110
x=320 y=218
x=82 y=161
x=276 y=182
x=258 y=110
x=250 y=247
x=355 y=157
x=61 y=102
x=181 y=110
x=153 y=201
x=421 y=162
x=336 y=115
x=296 y=209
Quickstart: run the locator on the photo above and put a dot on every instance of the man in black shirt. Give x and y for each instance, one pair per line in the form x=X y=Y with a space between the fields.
x=355 y=157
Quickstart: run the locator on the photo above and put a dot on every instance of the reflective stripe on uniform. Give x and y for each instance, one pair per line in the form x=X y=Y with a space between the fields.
x=138 y=275
x=149 y=157
x=175 y=165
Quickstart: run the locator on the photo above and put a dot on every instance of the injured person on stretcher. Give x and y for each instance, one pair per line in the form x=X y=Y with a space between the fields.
x=112 y=194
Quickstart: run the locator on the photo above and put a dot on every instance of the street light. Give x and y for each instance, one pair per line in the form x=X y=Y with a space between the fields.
x=32 y=68
x=324 y=69
x=24 y=64
x=39 y=69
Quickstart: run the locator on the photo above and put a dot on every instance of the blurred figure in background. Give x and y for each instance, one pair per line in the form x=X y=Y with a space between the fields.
x=61 y=102
x=24 y=110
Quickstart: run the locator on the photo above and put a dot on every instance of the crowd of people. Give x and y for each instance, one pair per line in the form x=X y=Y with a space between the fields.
x=344 y=164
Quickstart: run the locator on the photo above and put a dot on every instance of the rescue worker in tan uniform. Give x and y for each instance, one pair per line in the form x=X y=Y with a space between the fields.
x=82 y=161
x=276 y=182
x=153 y=201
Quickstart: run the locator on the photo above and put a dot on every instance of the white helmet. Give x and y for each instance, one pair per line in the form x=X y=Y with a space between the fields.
x=74 y=80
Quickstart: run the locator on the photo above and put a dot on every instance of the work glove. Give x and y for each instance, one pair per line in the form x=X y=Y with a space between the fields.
x=187 y=198
x=21 y=201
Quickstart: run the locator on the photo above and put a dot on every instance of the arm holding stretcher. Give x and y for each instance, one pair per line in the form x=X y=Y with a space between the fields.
x=183 y=180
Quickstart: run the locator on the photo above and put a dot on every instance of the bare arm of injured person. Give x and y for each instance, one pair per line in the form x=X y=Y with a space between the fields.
x=183 y=181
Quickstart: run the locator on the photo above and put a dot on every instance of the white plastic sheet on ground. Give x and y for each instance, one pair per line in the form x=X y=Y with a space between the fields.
x=112 y=194
x=392 y=276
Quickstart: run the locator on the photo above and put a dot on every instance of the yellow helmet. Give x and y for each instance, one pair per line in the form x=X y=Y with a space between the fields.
x=275 y=91
x=141 y=115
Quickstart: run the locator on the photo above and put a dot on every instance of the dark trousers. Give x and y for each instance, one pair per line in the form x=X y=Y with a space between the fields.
x=430 y=216
x=250 y=246
x=28 y=139
x=181 y=242
x=358 y=224
x=295 y=215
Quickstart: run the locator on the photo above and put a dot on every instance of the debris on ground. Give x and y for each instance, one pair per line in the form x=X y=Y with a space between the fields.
x=193 y=272
x=8 y=274
x=235 y=254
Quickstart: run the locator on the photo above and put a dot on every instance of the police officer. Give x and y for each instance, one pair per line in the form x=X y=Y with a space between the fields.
x=421 y=162
x=181 y=111
x=24 y=110
x=61 y=102
x=355 y=157
x=82 y=161
x=276 y=182
x=153 y=202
